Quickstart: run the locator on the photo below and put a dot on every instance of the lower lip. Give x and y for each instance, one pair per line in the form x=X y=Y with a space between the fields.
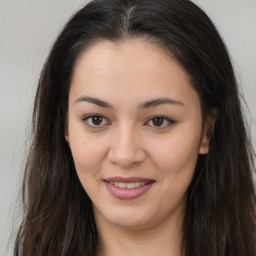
x=125 y=194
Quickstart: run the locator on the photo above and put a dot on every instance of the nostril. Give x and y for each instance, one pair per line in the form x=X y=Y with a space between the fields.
x=126 y=156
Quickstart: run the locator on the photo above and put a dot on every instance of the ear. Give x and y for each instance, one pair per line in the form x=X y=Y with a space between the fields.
x=207 y=132
x=66 y=133
x=66 y=136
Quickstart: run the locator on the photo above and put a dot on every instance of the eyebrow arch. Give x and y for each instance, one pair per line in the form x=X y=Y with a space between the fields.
x=159 y=101
x=96 y=101
x=147 y=104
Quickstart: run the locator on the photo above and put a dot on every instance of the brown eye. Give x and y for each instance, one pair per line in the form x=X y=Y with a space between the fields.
x=160 y=122
x=157 y=121
x=95 y=121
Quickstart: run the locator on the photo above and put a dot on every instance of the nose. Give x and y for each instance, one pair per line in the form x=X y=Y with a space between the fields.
x=126 y=148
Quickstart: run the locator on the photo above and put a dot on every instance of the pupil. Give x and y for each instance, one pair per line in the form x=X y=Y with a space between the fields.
x=158 y=121
x=97 y=120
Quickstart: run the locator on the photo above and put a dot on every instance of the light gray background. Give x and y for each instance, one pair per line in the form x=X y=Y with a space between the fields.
x=27 y=31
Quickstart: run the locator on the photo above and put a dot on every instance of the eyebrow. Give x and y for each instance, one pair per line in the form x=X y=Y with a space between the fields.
x=159 y=101
x=95 y=101
x=147 y=104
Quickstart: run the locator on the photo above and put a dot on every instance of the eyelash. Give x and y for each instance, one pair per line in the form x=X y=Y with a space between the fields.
x=88 y=121
x=165 y=120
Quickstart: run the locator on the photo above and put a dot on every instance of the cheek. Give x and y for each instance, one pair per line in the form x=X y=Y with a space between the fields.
x=88 y=153
x=88 y=158
x=177 y=155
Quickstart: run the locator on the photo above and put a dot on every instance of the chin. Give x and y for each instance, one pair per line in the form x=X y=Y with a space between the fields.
x=129 y=218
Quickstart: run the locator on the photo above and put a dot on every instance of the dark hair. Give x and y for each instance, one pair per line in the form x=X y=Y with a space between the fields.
x=220 y=210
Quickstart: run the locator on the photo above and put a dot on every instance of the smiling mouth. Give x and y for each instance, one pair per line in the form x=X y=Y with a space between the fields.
x=129 y=185
x=128 y=188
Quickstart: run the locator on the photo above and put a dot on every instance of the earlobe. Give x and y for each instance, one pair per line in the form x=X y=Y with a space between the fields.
x=207 y=133
x=66 y=135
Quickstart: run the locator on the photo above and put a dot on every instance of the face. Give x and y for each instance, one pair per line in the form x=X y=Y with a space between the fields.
x=135 y=132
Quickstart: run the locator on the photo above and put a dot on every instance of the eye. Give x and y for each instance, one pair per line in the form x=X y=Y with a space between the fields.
x=95 y=121
x=160 y=122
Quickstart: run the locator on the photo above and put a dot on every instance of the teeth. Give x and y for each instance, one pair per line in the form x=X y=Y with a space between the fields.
x=121 y=185
x=130 y=185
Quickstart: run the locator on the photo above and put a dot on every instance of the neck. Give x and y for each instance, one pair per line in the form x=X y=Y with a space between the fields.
x=162 y=240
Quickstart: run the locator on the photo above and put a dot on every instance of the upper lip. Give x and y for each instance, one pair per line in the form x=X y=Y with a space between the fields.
x=128 y=179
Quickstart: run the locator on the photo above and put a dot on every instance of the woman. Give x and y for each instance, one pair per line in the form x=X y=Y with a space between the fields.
x=140 y=146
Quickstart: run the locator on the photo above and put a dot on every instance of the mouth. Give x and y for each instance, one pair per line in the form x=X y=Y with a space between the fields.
x=128 y=188
x=129 y=185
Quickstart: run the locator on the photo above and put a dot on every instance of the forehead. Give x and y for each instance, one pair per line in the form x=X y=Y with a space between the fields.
x=129 y=67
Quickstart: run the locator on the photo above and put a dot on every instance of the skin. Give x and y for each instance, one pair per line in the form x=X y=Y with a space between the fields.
x=127 y=143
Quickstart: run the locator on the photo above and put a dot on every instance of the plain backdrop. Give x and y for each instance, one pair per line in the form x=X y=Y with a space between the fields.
x=27 y=31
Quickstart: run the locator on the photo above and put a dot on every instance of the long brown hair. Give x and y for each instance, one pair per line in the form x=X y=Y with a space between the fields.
x=220 y=211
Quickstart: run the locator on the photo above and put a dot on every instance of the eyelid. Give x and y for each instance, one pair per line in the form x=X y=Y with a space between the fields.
x=165 y=118
x=167 y=121
x=87 y=117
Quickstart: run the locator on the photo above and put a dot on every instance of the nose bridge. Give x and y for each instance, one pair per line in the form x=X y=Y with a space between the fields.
x=126 y=147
